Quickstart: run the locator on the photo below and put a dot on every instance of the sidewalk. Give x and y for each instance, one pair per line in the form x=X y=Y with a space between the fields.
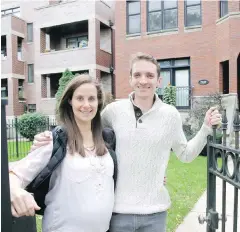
x=191 y=224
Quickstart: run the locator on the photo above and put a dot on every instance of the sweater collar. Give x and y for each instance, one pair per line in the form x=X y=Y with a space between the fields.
x=157 y=101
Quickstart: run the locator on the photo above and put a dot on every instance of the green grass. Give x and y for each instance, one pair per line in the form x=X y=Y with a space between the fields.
x=23 y=149
x=186 y=183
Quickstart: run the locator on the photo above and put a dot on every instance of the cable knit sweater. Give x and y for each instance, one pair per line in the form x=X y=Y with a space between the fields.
x=143 y=150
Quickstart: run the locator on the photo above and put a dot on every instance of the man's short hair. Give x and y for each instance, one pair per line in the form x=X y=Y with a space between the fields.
x=143 y=56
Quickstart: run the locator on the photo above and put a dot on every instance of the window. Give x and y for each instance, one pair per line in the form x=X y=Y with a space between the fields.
x=31 y=108
x=133 y=17
x=162 y=15
x=223 y=8
x=3 y=47
x=176 y=72
x=4 y=88
x=20 y=89
x=193 y=15
x=30 y=73
x=29 y=32
x=11 y=11
x=77 y=42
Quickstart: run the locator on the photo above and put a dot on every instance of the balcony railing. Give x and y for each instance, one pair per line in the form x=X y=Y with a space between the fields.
x=183 y=96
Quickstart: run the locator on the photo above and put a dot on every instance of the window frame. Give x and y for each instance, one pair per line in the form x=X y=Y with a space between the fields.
x=77 y=41
x=29 y=38
x=163 y=10
x=30 y=80
x=173 y=68
x=221 y=5
x=185 y=13
x=32 y=109
x=128 y=16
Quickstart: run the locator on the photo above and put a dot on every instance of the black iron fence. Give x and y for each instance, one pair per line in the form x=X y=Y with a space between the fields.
x=228 y=170
x=18 y=145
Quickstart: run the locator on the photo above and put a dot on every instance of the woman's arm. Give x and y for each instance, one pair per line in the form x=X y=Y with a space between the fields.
x=21 y=174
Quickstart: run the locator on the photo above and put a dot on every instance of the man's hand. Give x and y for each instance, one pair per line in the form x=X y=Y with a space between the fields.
x=213 y=117
x=41 y=139
x=22 y=203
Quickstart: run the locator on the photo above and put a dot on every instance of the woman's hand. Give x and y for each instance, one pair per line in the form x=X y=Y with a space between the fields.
x=22 y=203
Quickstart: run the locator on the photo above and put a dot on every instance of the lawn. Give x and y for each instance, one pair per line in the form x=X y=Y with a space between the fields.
x=23 y=149
x=186 y=183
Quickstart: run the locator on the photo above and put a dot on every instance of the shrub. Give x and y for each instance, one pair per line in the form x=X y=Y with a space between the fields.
x=197 y=114
x=63 y=81
x=30 y=124
x=108 y=98
x=169 y=95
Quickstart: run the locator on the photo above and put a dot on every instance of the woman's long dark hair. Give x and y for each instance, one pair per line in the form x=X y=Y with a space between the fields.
x=66 y=117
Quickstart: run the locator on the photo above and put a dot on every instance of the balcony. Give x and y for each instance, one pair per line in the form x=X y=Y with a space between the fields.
x=65 y=12
x=65 y=46
x=183 y=96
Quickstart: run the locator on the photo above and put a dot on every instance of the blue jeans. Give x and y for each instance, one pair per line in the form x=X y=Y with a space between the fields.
x=138 y=223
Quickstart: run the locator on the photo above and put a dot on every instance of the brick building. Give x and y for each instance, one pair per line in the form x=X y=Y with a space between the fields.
x=192 y=40
x=40 y=39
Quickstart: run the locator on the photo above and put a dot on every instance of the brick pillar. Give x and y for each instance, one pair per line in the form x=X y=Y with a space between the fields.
x=42 y=41
x=44 y=86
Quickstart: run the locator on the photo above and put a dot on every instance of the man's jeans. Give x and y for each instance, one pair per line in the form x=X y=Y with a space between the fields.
x=138 y=223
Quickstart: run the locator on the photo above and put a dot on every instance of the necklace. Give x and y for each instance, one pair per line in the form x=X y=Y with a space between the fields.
x=89 y=148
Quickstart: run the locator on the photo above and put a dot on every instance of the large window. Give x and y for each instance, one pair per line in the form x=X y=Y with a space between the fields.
x=30 y=73
x=77 y=42
x=162 y=15
x=29 y=32
x=133 y=17
x=223 y=8
x=11 y=11
x=176 y=72
x=193 y=15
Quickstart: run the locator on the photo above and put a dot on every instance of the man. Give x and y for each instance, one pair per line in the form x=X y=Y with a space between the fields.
x=146 y=129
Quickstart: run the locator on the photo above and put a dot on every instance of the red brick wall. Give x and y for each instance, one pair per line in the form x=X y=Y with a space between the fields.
x=204 y=46
x=18 y=107
x=98 y=74
x=18 y=25
x=44 y=87
x=102 y=58
x=17 y=65
x=42 y=41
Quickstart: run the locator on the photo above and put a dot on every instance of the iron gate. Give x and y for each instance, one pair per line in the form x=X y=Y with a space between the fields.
x=226 y=173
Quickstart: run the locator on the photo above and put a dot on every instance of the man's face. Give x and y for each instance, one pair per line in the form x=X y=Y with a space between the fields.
x=144 y=79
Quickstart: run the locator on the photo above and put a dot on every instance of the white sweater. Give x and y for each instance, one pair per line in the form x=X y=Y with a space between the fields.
x=143 y=150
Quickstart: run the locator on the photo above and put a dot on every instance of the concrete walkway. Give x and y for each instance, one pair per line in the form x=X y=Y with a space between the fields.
x=191 y=224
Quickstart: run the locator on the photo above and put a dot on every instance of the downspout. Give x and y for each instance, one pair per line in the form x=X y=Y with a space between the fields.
x=112 y=61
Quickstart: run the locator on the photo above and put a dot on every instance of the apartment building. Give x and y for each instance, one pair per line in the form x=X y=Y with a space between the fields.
x=197 y=44
x=40 y=39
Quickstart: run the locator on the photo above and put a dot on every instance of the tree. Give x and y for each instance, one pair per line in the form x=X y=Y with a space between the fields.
x=169 y=95
x=63 y=81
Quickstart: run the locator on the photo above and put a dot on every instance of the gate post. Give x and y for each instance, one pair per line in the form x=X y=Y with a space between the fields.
x=6 y=216
x=9 y=223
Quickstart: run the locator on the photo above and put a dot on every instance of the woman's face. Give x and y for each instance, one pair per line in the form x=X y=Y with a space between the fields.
x=84 y=103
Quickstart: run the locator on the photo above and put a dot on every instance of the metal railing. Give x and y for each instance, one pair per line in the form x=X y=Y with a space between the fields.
x=18 y=145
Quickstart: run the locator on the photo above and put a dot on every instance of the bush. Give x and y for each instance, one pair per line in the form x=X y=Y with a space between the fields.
x=30 y=124
x=169 y=95
x=197 y=114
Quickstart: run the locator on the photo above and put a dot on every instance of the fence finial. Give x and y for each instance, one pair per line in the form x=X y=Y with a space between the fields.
x=236 y=121
x=224 y=120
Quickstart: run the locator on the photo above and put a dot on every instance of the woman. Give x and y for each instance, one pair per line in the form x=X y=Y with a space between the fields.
x=81 y=189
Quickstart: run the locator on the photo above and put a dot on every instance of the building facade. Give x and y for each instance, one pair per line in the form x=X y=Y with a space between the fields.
x=41 y=39
x=197 y=44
